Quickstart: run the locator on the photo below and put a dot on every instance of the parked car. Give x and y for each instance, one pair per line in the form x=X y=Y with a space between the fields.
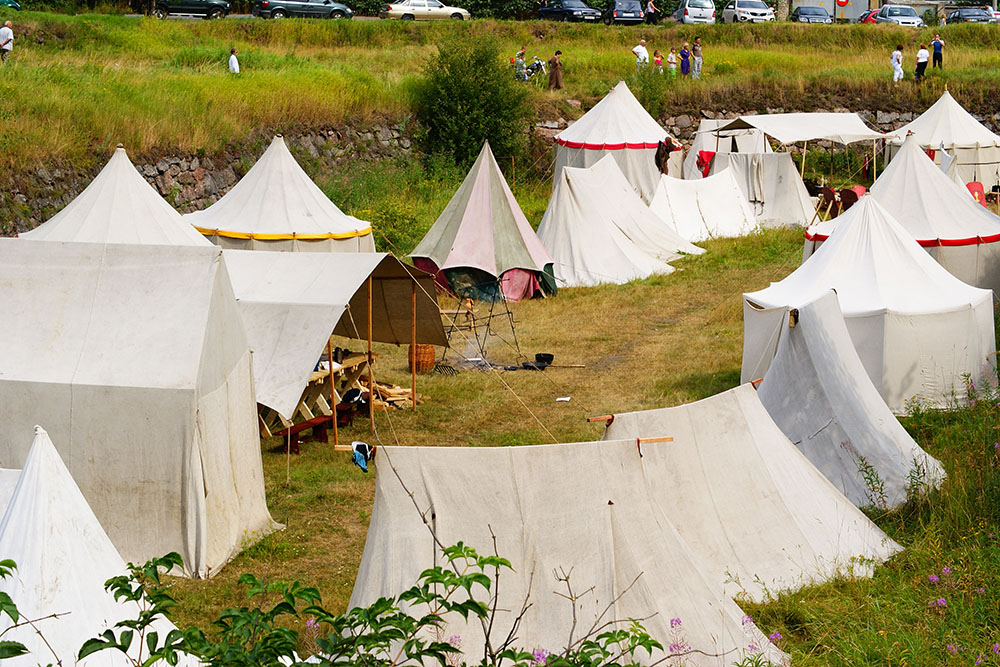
x=210 y=9
x=422 y=10
x=10 y=4
x=279 y=9
x=567 y=10
x=695 y=11
x=868 y=16
x=624 y=11
x=970 y=15
x=810 y=15
x=900 y=15
x=747 y=11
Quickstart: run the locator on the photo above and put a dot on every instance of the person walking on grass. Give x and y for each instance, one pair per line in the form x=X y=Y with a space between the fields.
x=696 y=57
x=685 y=60
x=641 y=55
x=555 y=71
x=938 y=45
x=234 y=64
x=897 y=64
x=922 y=57
x=6 y=40
x=672 y=62
x=652 y=13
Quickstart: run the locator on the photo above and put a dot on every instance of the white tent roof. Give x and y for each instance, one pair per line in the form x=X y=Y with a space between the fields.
x=817 y=391
x=758 y=514
x=788 y=128
x=118 y=204
x=710 y=138
x=946 y=123
x=63 y=558
x=276 y=200
x=580 y=232
x=706 y=208
x=136 y=359
x=930 y=206
x=579 y=508
x=617 y=121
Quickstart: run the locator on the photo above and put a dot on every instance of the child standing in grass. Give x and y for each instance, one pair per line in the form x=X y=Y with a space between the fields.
x=685 y=60
x=897 y=64
x=658 y=61
x=672 y=61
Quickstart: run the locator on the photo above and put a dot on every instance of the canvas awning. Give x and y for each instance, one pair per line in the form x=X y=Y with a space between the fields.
x=789 y=128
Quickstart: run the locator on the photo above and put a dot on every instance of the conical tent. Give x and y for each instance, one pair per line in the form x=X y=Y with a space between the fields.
x=582 y=509
x=818 y=393
x=760 y=517
x=482 y=238
x=276 y=206
x=580 y=231
x=703 y=209
x=962 y=235
x=709 y=138
x=947 y=125
x=917 y=328
x=136 y=359
x=63 y=558
x=619 y=126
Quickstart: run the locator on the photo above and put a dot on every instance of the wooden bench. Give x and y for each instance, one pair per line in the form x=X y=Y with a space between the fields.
x=317 y=427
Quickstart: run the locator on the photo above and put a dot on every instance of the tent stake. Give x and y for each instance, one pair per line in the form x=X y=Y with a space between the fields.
x=333 y=393
x=371 y=382
x=413 y=343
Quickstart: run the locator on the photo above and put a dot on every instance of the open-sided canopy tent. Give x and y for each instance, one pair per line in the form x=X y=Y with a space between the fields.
x=818 y=393
x=710 y=138
x=63 y=558
x=276 y=206
x=772 y=185
x=583 y=509
x=136 y=359
x=598 y=231
x=482 y=238
x=962 y=235
x=292 y=301
x=760 y=517
x=917 y=328
x=706 y=208
x=619 y=126
x=946 y=124
x=789 y=128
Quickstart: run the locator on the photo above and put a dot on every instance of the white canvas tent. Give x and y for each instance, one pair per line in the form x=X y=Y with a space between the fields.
x=818 y=393
x=582 y=508
x=63 y=558
x=760 y=517
x=947 y=125
x=917 y=328
x=710 y=138
x=772 y=185
x=619 y=126
x=598 y=231
x=276 y=206
x=962 y=235
x=136 y=359
x=703 y=209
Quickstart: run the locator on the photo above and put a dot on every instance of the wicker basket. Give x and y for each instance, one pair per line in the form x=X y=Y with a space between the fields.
x=424 y=355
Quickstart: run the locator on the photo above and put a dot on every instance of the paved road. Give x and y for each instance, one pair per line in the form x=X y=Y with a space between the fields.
x=181 y=17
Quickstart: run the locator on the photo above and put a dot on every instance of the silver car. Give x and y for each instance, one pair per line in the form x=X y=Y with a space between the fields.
x=696 y=11
x=900 y=15
x=421 y=10
x=747 y=11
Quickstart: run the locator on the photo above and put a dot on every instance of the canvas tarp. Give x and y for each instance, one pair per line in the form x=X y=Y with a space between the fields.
x=947 y=125
x=596 y=233
x=276 y=206
x=961 y=234
x=710 y=138
x=771 y=184
x=585 y=509
x=136 y=360
x=917 y=328
x=817 y=392
x=619 y=126
x=789 y=128
x=63 y=558
x=291 y=302
x=760 y=517
x=703 y=209
x=483 y=229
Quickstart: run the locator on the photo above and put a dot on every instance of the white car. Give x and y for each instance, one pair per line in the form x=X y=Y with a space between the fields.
x=421 y=10
x=747 y=11
x=900 y=15
x=696 y=11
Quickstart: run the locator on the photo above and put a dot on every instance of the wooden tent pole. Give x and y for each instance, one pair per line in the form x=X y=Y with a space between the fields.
x=333 y=393
x=371 y=381
x=413 y=343
x=874 y=157
x=802 y=167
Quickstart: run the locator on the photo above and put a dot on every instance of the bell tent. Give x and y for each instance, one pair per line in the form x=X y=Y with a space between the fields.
x=276 y=206
x=703 y=209
x=136 y=359
x=482 y=244
x=818 y=393
x=917 y=329
x=619 y=126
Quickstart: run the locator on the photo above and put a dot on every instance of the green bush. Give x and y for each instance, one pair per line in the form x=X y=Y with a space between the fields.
x=470 y=96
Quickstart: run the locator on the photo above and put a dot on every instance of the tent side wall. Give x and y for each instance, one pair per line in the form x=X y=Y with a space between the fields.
x=365 y=243
x=972 y=163
x=771 y=184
